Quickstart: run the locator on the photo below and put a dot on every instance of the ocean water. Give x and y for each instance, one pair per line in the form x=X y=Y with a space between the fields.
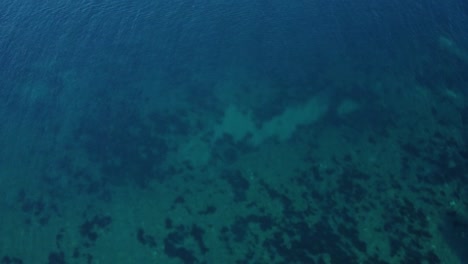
x=233 y=131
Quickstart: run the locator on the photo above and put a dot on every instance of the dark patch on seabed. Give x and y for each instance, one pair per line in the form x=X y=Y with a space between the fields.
x=454 y=229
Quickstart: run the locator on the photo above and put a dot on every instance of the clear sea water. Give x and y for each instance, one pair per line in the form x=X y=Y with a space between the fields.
x=233 y=131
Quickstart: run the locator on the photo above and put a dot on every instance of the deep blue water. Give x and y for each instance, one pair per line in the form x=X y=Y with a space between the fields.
x=269 y=37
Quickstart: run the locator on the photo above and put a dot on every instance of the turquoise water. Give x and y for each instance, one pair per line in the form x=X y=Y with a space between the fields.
x=233 y=132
